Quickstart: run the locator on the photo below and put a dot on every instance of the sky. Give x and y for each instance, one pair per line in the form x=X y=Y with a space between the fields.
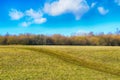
x=64 y=17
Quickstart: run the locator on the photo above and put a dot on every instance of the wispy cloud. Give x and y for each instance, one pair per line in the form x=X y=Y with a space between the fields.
x=118 y=2
x=93 y=4
x=102 y=10
x=39 y=20
x=77 y=7
x=15 y=14
x=25 y=24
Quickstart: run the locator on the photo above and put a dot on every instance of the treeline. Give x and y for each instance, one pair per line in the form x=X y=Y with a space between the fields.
x=57 y=39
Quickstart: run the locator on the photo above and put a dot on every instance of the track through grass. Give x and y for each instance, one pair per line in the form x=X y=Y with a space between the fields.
x=56 y=63
x=79 y=61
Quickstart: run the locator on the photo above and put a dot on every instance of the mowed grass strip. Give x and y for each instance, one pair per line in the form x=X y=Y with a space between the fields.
x=81 y=60
x=27 y=64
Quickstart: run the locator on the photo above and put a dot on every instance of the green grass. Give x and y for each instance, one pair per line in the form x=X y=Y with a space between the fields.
x=59 y=63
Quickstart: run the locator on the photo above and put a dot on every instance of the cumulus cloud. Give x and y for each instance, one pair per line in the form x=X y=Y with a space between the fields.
x=15 y=14
x=77 y=7
x=31 y=17
x=103 y=11
x=118 y=2
x=36 y=16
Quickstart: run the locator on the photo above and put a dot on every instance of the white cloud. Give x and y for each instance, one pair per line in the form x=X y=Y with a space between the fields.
x=77 y=7
x=36 y=16
x=40 y=20
x=118 y=2
x=93 y=4
x=15 y=14
x=25 y=24
x=31 y=17
x=103 y=11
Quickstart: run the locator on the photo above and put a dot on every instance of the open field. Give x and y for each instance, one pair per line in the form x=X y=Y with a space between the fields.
x=59 y=63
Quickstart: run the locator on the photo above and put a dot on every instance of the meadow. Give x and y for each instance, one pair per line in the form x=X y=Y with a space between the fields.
x=59 y=63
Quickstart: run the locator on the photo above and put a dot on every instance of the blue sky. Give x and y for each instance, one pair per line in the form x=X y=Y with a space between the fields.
x=59 y=16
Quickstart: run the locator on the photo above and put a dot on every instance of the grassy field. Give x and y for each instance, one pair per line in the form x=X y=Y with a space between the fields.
x=59 y=63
